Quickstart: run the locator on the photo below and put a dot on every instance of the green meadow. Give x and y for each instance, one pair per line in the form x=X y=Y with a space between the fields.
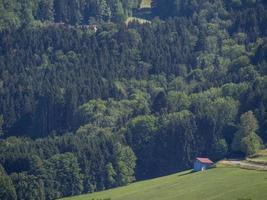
x=221 y=183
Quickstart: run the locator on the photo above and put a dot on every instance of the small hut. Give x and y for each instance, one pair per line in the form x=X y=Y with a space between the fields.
x=202 y=164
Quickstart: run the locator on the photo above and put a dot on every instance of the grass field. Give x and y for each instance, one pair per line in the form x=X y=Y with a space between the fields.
x=221 y=183
x=139 y=20
x=263 y=158
x=145 y=4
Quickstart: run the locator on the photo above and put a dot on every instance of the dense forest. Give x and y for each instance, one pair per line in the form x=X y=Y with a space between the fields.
x=84 y=110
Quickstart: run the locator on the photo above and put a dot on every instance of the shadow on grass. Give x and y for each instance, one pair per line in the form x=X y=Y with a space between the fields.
x=190 y=172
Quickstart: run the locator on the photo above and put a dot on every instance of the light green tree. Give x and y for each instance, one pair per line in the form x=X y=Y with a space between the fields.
x=246 y=140
x=103 y=10
x=117 y=11
x=125 y=164
x=111 y=175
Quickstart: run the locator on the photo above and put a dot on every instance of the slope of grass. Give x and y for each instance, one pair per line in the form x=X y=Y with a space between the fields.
x=260 y=157
x=221 y=183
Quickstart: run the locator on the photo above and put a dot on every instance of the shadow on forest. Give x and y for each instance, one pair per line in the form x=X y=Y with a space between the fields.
x=144 y=13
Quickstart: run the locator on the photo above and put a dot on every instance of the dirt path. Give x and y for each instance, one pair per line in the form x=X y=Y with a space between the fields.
x=244 y=164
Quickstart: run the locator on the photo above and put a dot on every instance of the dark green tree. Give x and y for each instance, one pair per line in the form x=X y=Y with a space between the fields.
x=65 y=172
x=45 y=10
x=160 y=102
x=7 y=189
x=1 y=125
x=28 y=186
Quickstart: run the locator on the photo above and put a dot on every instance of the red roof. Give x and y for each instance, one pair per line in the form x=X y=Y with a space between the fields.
x=205 y=160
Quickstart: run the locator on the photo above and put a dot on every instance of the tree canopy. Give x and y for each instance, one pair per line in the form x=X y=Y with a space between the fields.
x=84 y=110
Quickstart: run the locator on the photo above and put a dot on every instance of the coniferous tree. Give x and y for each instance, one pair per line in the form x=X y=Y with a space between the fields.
x=7 y=189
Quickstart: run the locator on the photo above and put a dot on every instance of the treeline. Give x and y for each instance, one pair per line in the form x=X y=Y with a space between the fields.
x=82 y=111
x=15 y=13
x=45 y=168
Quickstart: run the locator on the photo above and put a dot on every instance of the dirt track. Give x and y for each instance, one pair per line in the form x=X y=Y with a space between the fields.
x=244 y=164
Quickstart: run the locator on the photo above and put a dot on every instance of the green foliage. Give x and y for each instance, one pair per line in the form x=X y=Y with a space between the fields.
x=111 y=175
x=177 y=101
x=65 y=173
x=1 y=125
x=7 y=189
x=126 y=164
x=141 y=129
x=248 y=123
x=24 y=182
x=103 y=11
x=221 y=149
x=130 y=101
x=176 y=142
x=221 y=112
x=118 y=12
x=15 y=14
x=68 y=11
x=140 y=133
x=47 y=170
x=251 y=144
x=160 y=102
x=45 y=10
x=246 y=140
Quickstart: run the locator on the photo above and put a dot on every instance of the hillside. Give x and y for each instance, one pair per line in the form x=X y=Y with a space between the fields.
x=99 y=94
x=221 y=183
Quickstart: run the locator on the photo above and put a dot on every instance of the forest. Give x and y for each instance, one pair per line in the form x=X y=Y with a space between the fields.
x=84 y=110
